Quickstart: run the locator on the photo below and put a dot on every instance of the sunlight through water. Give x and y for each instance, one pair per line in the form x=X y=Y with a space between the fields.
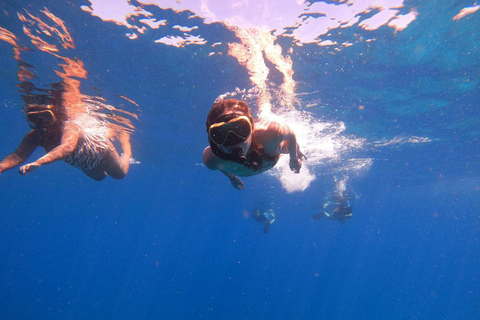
x=258 y=27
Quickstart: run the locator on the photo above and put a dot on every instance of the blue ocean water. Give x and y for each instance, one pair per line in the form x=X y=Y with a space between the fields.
x=174 y=240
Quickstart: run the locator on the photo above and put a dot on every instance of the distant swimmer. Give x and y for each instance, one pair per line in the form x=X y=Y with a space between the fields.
x=241 y=147
x=267 y=217
x=338 y=208
x=62 y=139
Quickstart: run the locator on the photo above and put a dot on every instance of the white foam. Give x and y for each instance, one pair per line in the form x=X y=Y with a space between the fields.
x=324 y=144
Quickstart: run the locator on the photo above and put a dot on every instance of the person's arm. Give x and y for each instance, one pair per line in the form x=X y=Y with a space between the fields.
x=70 y=136
x=289 y=145
x=25 y=149
x=213 y=163
x=236 y=182
x=295 y=157
x=293 y=149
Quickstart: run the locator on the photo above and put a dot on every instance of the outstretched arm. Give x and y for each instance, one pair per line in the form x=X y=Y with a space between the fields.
x=25 y=149
x=68 y=143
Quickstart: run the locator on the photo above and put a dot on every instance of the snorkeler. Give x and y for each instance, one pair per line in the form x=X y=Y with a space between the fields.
x=267 y=217
x=240 y=147
x=62 y=139
x=338 y=208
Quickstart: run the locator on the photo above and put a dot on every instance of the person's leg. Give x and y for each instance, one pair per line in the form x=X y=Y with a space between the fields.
x=126 y=146
x=96 y=174
x=117 y=166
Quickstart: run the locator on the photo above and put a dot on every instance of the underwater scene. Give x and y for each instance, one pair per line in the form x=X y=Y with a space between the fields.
x=236 y=159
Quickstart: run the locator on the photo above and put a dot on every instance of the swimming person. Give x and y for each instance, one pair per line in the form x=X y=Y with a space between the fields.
x=338 y=208
x=65 y=140
x=241 y=147
x=267 y=217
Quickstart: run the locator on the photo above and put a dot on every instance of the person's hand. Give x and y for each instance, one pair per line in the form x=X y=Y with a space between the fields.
x=237 y=183
x=28 y=168
x=300 y=155
x=295 y=165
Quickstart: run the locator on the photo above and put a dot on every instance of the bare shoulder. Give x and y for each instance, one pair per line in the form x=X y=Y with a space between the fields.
x=32 y=135
x=210 y=160
x=31 y=139
x=72 y=128
x=272 y=131
x=272 y=127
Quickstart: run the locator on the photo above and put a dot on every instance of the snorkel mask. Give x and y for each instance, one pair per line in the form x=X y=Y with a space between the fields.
x=233 y=136
x=232 y=132
x=40 y=116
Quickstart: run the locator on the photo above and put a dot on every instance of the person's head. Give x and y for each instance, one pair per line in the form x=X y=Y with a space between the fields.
x=229 y=127
x=40 y=115
x=44 y=110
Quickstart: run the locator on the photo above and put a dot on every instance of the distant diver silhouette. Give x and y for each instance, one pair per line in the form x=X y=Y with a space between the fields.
x=338 y=208
x=267 y=217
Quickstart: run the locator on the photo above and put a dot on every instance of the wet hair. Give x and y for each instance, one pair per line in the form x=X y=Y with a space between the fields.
x=225 y=110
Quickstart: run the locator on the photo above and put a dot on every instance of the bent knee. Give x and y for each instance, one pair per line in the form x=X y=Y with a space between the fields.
x=97 y=175
x=117 y=175
x=117 y=172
